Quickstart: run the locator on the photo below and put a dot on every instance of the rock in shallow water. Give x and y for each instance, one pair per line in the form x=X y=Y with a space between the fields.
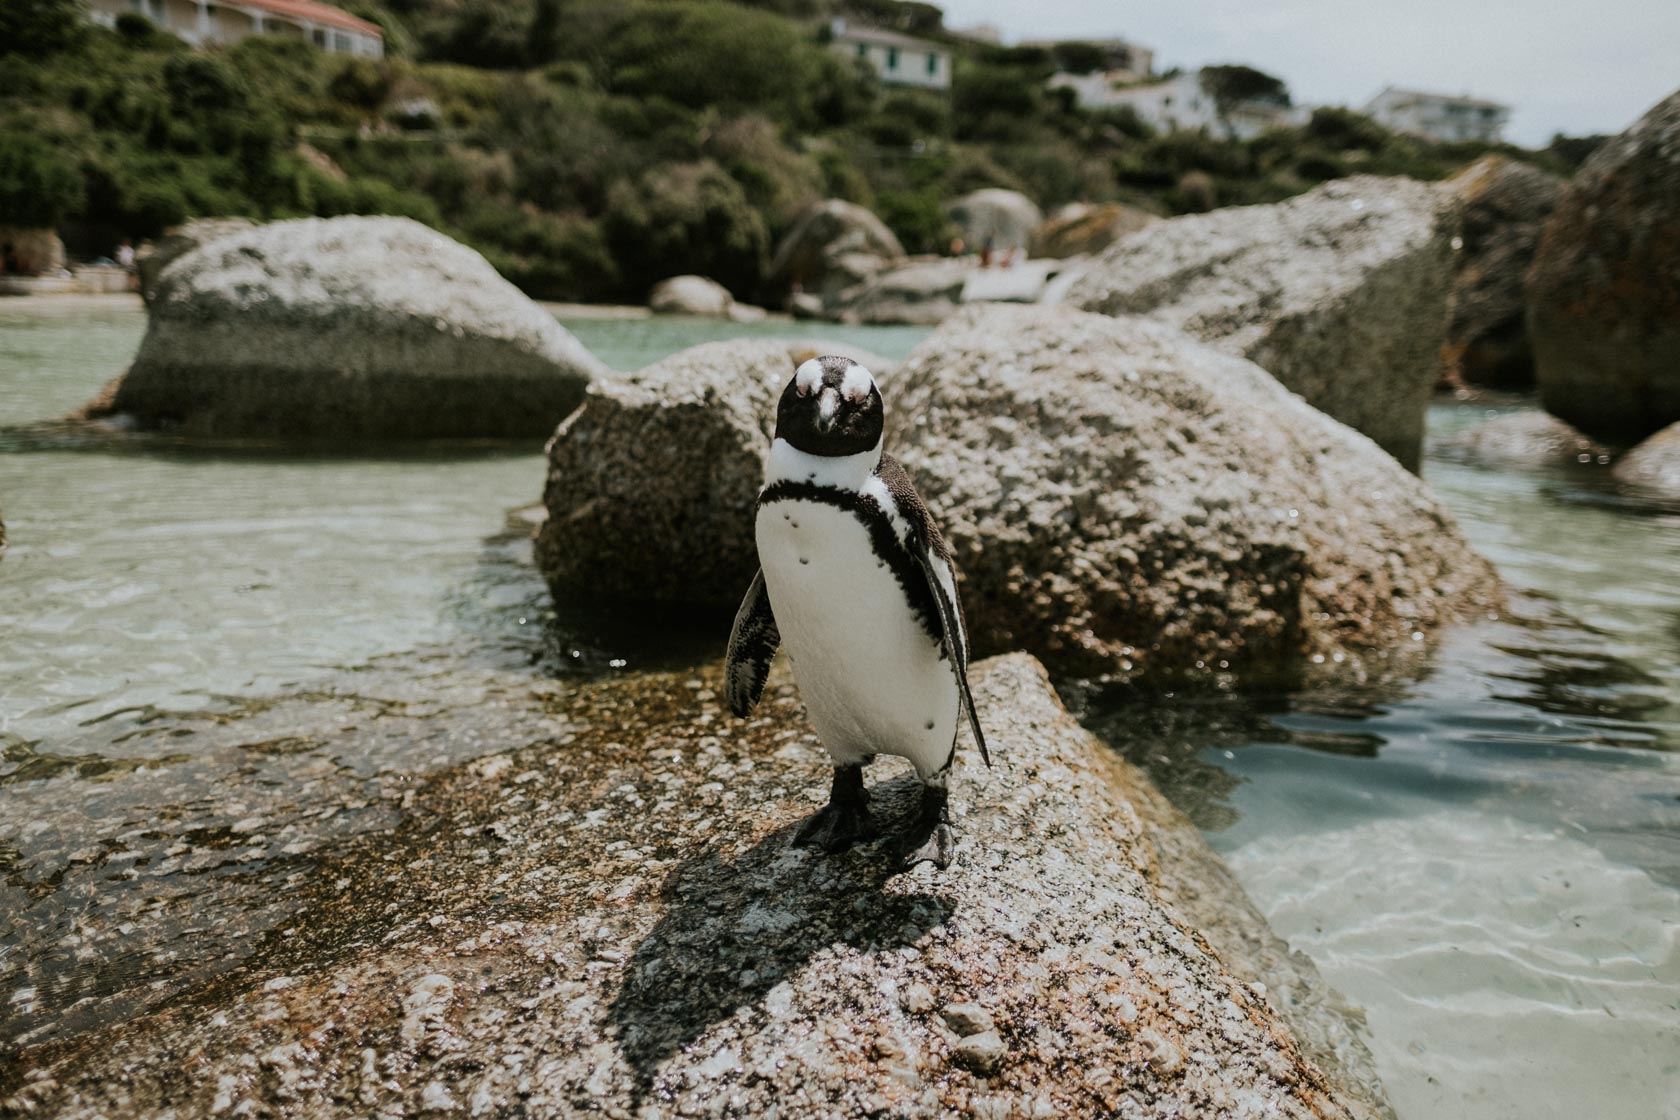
x=1527 y=440
x=1652 y=468
x=618 y=924
x=1339 y=293
x=1122 y=499
x=347 y=327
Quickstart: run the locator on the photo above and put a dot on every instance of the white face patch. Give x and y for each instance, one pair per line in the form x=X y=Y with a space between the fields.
x=857 y=383
x=828 y=403
x=808 y=376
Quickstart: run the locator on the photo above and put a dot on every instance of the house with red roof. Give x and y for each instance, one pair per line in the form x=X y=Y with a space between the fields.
x=204 y=22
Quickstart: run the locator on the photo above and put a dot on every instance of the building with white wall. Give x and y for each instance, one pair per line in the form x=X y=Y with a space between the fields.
x=899 y=60
x=203 y=22
x=1438 y=116
x=1179 y=104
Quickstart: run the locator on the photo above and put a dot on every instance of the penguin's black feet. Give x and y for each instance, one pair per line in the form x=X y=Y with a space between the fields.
x=930 y=839
x=844 y=820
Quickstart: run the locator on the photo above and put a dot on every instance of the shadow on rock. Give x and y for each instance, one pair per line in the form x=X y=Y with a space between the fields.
x=736 y=934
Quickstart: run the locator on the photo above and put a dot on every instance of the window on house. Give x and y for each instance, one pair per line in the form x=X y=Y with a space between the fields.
x=320 y=37
x=863 y=50
x=933 y=65
x=341 y=42
x=892 y=58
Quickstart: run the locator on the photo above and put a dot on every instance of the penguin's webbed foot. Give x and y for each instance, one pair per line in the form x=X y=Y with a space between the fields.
x=845 y=820
x=930 y=839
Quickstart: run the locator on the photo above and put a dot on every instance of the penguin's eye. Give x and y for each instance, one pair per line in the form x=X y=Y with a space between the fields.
x=802 y=390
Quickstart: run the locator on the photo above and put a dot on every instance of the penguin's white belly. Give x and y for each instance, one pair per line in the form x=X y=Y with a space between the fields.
x=870 y=674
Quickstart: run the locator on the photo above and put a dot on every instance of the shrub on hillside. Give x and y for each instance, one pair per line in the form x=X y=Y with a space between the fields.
x=689 y=217
x=39 y=187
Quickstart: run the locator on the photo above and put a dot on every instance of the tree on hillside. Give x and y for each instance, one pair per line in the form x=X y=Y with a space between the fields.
x=38 y=186
x=1232 y=85
x=38 y=27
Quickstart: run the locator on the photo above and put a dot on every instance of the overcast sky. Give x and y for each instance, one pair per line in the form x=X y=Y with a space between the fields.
x=1563 y=65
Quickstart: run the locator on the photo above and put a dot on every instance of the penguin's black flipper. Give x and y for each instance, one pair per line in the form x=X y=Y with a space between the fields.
x=752 y=646
x=956 y=641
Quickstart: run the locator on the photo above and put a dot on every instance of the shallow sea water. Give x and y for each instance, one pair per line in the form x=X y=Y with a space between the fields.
x=1486 y=859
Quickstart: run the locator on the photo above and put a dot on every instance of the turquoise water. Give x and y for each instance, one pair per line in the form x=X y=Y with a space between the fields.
x=1486 y=859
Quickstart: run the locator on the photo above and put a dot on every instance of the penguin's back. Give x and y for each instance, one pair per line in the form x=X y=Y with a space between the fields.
x=859 y=624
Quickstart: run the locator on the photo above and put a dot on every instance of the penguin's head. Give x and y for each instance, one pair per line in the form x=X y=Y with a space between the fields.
x=830 y=408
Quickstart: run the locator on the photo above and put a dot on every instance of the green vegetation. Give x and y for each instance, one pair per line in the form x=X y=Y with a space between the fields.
x=592 y=147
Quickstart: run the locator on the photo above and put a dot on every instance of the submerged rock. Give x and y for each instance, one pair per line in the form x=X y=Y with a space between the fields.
x=1651 y=468
x=832 y=246
x=652 y=482
x=347 y=327
x=994 y=217
x=1122 y=499
x=1604 y=292
x=1505 y=205
x=176 y=242
x=617 y=924
x=1529 y=440
x=1339 y=293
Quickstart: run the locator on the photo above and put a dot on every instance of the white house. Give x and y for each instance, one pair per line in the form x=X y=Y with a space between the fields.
x=898 y=60
x=203 y=22
x=1438 y=116
x=1179 y=104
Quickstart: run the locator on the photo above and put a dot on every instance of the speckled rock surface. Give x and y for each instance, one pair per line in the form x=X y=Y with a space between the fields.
x=1653 y=467
x=1079 y=230
x=1122 y=499
x=1528 y=440
x=612 y=921
x=176 y=242
x=1604 y=292
x=1339 y=293
x=1505 y=205
x=923 y=292
x=832 y=246
x=1004 y=219
x=348 y=327
x=652 y=483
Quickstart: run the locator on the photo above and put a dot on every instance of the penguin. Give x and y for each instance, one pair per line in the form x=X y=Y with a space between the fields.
x=856 y=581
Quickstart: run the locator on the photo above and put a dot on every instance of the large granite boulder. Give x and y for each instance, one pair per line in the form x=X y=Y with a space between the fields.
x=1526 y=440
x=1081 y=229
x=1505 y=205
x=1604 y=291
x=652 y=482
x=1653 y=467
x=1339 y=293
x=347 y=328
x=830 y=247
x=176 y=242
x=996 y=217
x=921 y=293
x=1122 y=499
x=697 y=295
x=619 y=927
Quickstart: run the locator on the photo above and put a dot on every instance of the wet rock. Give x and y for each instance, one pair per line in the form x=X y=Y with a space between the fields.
x=696 y=295
x=1082 y=229
x=1505 y=205
x=1604 y=291
x=1339 y=293
x=1653 y=467
x=1124 y=500
x=343 y=328
x=176 y=242
x=652 y=482
x=640 y=939
x=999 y=218
x=921 y=293
x=1526 y=440
x=832 y=246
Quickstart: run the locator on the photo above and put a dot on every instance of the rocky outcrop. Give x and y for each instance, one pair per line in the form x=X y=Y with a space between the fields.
x=1653 y=468
x=1604 y=291
x=1124 y=500
x=832 y=246
x=696 y=295
x=619 y=926
x=1082 y=229
x=1339 y=293
x=1505 y=205
x=652 y=482
x=348 y=328
x=1526 y=440
x=995 y=217
x=176 y=242
x=920 y=293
